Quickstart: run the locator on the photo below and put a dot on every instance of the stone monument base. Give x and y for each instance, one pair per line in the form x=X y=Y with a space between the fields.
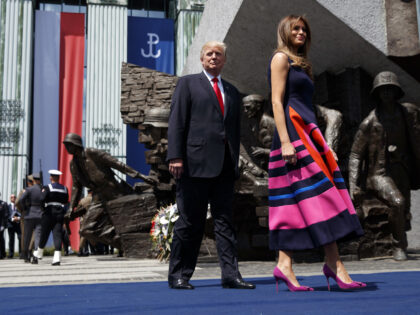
x=132 y=215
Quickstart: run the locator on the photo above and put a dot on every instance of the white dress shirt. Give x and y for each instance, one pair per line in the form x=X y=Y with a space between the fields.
x=219 y=83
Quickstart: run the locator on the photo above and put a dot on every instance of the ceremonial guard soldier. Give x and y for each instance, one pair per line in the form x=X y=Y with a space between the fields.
x=32 y=223
x=55 y=197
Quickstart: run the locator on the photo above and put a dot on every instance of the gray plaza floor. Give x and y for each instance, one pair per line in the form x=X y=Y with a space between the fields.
x=108 y=269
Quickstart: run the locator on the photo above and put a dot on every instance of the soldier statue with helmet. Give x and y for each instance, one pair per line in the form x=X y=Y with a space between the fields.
x=93 y=168
x=385 y=157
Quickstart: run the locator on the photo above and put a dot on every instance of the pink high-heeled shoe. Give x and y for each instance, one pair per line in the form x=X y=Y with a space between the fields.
x=278 y=275
x=343 y=286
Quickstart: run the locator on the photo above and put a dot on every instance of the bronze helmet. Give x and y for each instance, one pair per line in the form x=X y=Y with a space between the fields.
x=386 y=78
x=74 y=139
x=157 y=117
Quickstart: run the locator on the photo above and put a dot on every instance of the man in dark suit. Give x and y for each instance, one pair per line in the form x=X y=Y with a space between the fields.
x=203 y=154
x=4 y=211
x=13 y=225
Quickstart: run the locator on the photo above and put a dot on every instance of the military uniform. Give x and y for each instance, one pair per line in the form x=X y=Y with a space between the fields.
x=385 y=158
x=92 y=168
x=55 y=197
x=32 y=214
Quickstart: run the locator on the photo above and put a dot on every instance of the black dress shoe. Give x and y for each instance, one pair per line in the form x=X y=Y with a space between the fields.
x=181 y=284
x=34 y=260
x=237 y=283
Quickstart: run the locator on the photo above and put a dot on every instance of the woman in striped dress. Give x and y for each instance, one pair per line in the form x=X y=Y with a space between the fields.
x=309 y=203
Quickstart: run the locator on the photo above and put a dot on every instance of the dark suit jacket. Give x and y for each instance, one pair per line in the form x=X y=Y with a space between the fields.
x=4 y=211
x=10 y=223
x=197 y=132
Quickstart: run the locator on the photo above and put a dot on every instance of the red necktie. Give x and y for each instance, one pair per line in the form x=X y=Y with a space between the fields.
x=218 y=94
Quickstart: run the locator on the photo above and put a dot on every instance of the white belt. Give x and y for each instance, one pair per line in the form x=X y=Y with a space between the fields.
x=54 y=204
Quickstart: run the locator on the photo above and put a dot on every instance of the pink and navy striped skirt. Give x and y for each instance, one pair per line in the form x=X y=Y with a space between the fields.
x=309 y=205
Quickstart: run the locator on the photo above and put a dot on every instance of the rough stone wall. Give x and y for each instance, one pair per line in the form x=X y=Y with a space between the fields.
x=402 y=29
x=134 y=225
x=142 y=88
x=367 y=18
x=414 y=235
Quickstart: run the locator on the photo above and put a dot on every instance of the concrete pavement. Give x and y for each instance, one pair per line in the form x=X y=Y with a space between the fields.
x=109 y=269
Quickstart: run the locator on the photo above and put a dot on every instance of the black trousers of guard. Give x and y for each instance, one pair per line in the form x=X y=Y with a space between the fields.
x=52 y=221
x=30 y=226
x=193 y=196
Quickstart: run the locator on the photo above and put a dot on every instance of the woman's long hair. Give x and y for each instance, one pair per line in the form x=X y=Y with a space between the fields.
x=284 y=43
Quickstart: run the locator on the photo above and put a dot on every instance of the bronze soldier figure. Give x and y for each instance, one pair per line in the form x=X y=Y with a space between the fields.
x=93 y=168
x=385 y=156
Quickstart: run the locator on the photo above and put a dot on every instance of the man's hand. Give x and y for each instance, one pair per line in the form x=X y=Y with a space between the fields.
x=176 y=168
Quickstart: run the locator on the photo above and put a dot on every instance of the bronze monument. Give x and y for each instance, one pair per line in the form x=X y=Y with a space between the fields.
x=146 y=97
x=384 y=162
x=93 y=169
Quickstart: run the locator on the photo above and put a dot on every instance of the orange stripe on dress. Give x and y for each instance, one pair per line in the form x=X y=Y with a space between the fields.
x=299 y=125
x=319 y=138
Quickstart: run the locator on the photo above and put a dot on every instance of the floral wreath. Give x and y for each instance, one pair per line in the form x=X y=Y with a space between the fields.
x=161 y=232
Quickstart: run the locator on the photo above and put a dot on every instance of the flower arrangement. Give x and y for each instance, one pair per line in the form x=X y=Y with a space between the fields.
x=162 y=230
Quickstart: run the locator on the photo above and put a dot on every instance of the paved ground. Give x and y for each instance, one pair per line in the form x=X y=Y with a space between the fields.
x=414 y=235
x=108 y=269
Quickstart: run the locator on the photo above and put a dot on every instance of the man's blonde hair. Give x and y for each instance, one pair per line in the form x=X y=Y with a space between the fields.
x=213 y=43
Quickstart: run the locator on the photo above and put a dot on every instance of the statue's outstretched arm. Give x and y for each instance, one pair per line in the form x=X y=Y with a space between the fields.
x=108 y=160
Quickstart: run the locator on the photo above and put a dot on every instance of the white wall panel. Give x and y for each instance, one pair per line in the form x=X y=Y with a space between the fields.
x=106 y=50
x=15 y=76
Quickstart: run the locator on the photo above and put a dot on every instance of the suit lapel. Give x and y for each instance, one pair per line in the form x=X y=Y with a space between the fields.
x=209 y=89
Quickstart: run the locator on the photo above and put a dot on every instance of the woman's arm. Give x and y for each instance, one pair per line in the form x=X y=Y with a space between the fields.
x=279 y=71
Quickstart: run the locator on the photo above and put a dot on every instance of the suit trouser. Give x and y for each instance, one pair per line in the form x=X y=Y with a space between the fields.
x=31 y=226
x=2 y=245
x=54 y=223
x=193 y=195
x=15 y=229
